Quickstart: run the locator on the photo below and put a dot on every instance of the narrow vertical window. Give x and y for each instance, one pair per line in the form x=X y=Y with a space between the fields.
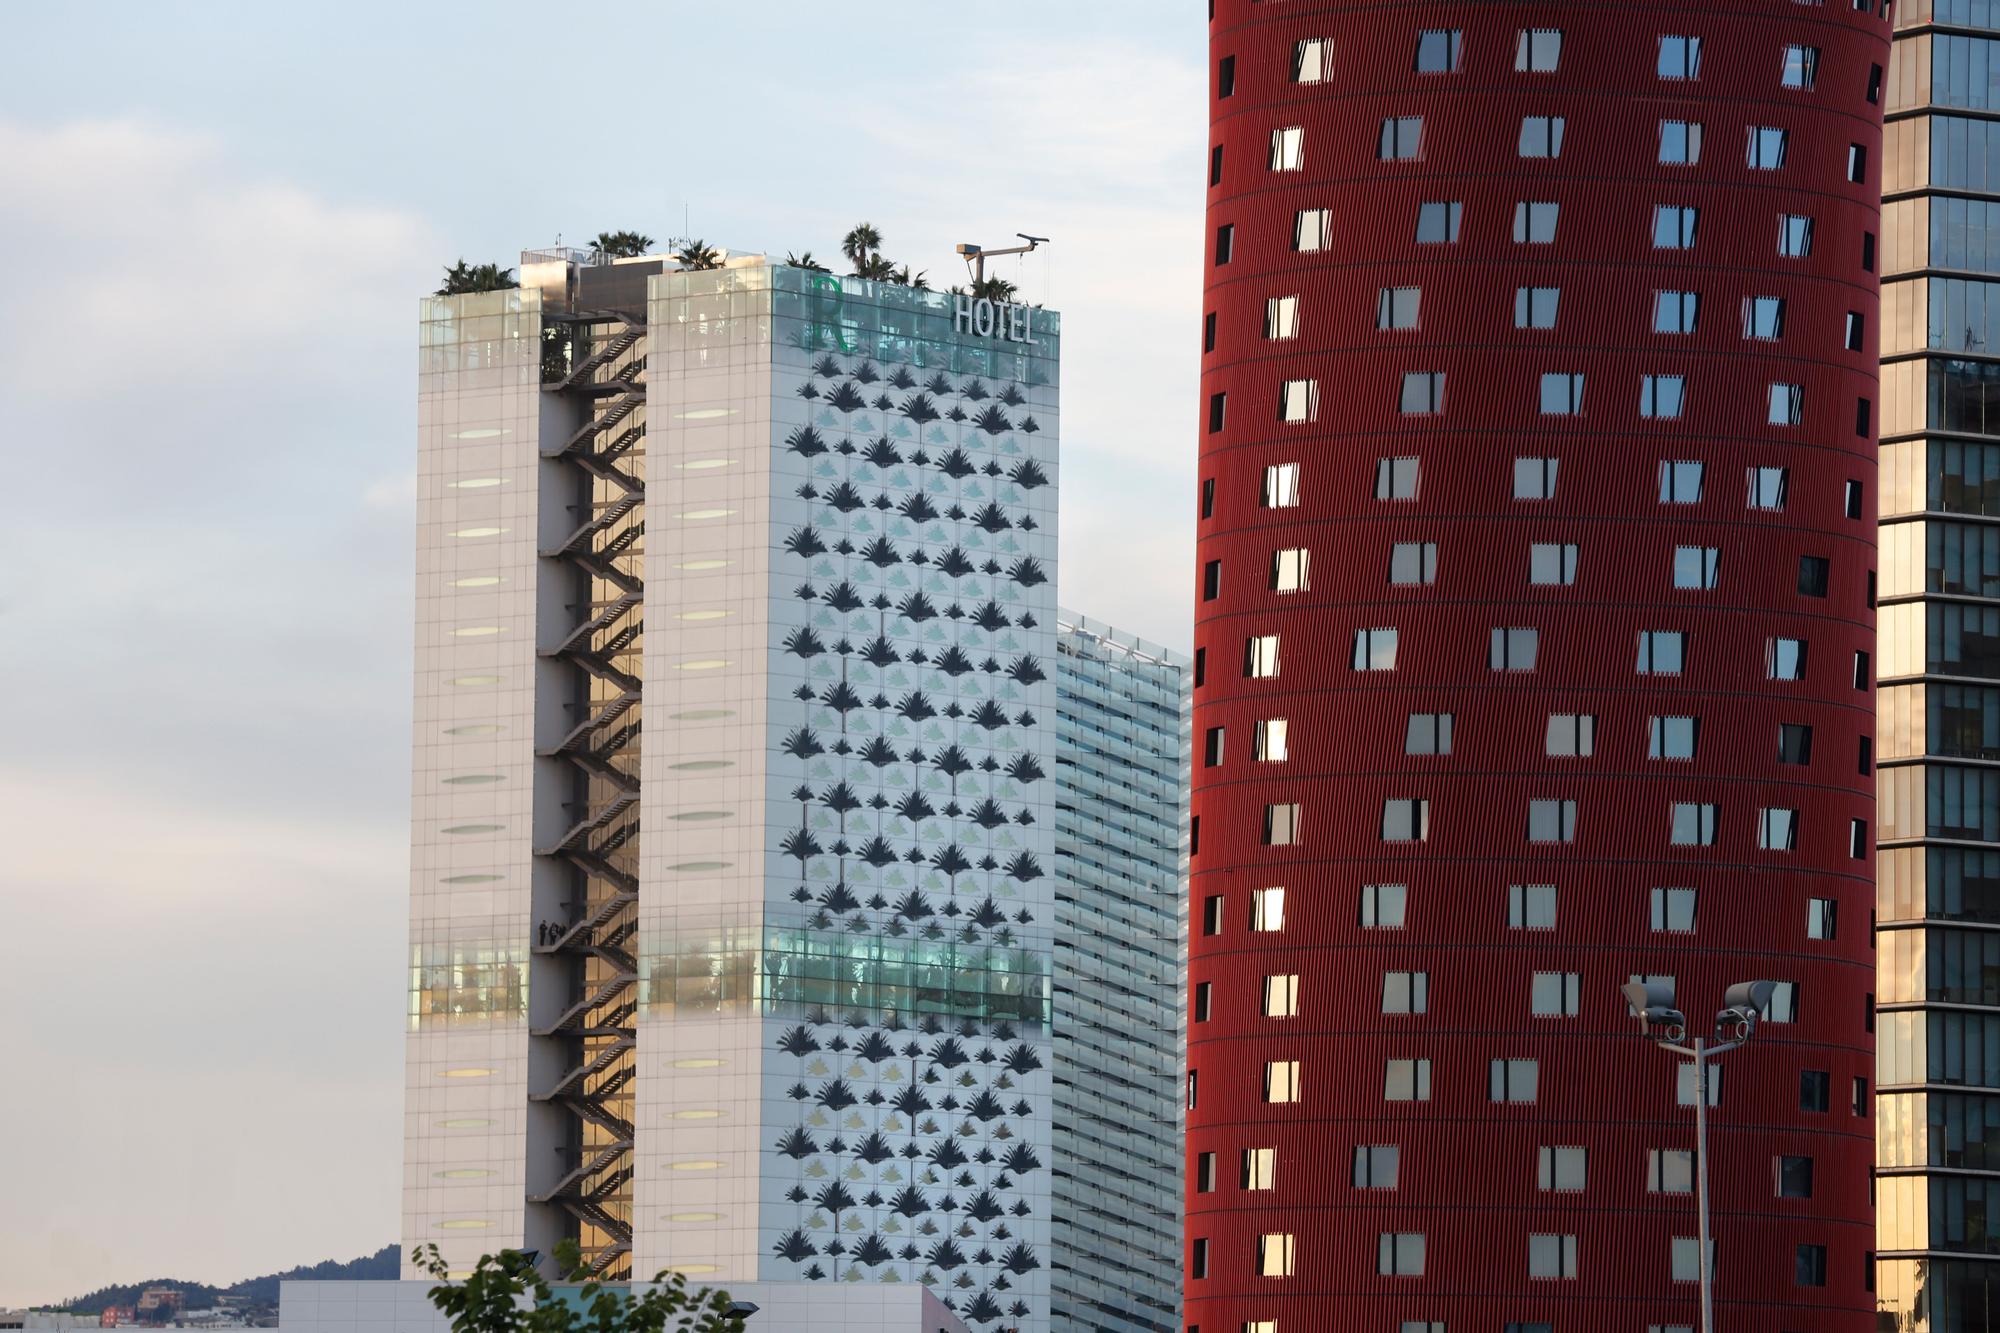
x=1288 y=148
x=1801 y=67
x=1766 y=146
x=1401 y=139
x=1437 y=50
x=1310 y=60
x=1680 y=57
x=1312 y=228
x=1396 y=478
x=1281 y=317
x=1541 y=136
x=1437 y=223
x=1538 y=50
x=1680 y=142
x=1281 y=486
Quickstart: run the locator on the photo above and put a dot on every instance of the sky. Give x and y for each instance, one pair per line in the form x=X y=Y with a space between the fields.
x=216 y=221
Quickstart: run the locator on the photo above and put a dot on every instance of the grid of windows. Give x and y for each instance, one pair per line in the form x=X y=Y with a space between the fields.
x=1696 y=405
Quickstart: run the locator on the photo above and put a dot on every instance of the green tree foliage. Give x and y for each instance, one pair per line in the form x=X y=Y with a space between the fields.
x=697 y=254
x=622 y=244
x=862 y=244
x=491 y=1300
x=463 y=277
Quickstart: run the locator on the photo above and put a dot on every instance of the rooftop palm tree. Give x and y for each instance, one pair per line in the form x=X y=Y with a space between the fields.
x=877 y=266
x=861 y=242
x=463 y=277
x=697 y=254
x=622 y=244
x=994 y=289
x=903 y=277
x=807 y=261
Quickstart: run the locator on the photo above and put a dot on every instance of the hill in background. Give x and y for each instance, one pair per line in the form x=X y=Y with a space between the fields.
x=385 y=1263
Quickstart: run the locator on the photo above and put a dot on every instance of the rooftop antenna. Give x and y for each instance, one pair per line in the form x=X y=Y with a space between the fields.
x=977 y=255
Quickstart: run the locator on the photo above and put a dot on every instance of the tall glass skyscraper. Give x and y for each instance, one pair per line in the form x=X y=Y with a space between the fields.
x=1938 y=947
x=1121 y=806
x=731 y=939
x=769 y=821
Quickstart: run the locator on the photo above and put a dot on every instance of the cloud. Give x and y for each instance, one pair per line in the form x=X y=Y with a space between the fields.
x=1101 y=144
x=205 y=382
x=158 y=257
x=226 y=1036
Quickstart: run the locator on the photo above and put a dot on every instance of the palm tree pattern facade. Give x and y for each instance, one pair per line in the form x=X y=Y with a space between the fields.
x=901 y=964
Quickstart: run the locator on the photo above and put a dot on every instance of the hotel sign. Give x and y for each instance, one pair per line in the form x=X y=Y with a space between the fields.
x=993 y=319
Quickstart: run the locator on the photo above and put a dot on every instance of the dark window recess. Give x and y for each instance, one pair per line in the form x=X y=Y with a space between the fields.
x=1225 y=241
x=1225 y=77
x=1794 y=743
x=1200 y=666
x=1871 y=590
x=1868 y=1012
x=1862 y=417
x=1211 y=747
x=1866 y=759
x=1863 y=678
x=1201 y=993
x=1208 y=498
x=1211 y=914
x=1204 y=1173
x=1795 y=1177
x=1810 y=1266
x=1815 y=1087
x=1194 y=835
x=1867 y=252
x=1855 y=331
x=1861 y=1096
x=1215 y=165
x=1812 y=575
x=1218 y=407
x=1874 y=96
x=1851 y=500
x=1857 y=163
x=1211 y=580
x=1208 y=332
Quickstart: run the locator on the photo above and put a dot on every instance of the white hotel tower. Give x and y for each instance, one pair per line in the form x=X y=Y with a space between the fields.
x=734 y=816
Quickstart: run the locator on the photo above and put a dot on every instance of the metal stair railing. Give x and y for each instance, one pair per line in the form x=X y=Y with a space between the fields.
x=600 y=422
x=582 y=731
x=589 y=824
x=609 y=350
x=569 y=1184
x=603 y=995
x=603 y=620
x=596 y=523
x=583 y=1073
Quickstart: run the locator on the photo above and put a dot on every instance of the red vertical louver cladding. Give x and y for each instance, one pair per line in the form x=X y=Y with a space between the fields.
x=1535 y=631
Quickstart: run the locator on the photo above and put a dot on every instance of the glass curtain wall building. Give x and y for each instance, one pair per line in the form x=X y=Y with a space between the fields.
x=1121 y=812
x=1939 y=864
x=1534 y=654
x=799 y=1029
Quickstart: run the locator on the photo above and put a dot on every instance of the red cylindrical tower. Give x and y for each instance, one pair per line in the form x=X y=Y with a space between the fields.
x=1534 y=642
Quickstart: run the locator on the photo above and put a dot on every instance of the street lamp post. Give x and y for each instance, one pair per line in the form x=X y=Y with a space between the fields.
x=1653 y=1003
